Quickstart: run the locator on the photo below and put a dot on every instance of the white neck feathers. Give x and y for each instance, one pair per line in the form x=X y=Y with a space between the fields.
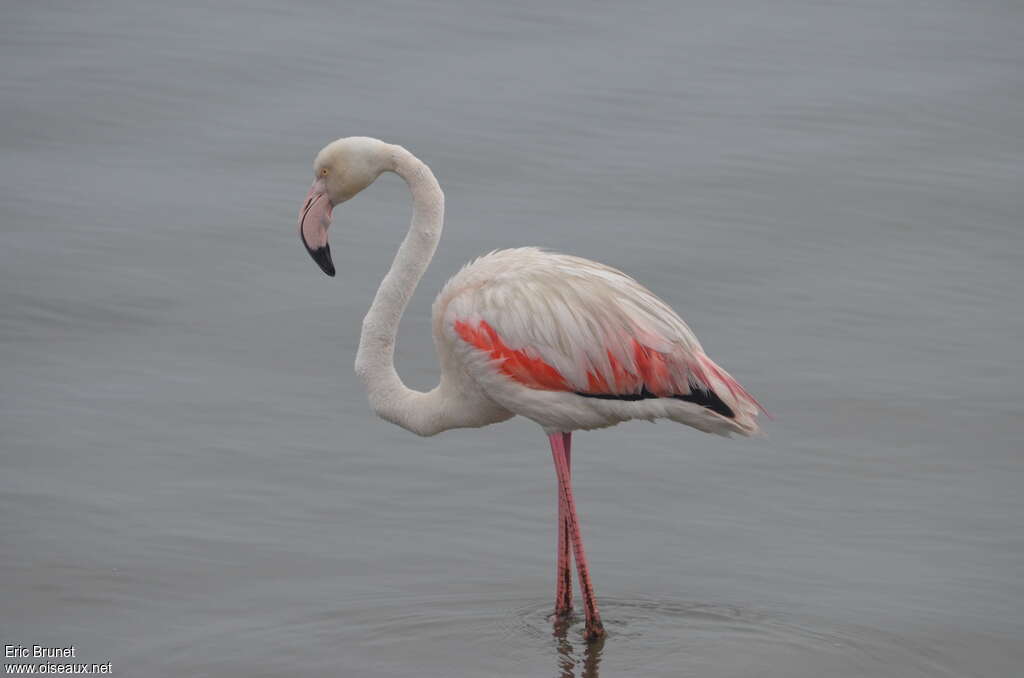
x=391 y=399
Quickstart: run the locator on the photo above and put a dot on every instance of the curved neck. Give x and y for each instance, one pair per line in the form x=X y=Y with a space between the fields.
x=375 y=362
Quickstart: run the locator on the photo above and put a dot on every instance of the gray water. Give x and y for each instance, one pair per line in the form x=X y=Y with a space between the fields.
x=830 y=193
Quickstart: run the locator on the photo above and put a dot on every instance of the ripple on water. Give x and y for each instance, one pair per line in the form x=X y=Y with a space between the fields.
x=657 y=637
x=663 y=637
x=474 y=635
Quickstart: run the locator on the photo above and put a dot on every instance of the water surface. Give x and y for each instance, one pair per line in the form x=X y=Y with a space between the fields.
x=830 y=194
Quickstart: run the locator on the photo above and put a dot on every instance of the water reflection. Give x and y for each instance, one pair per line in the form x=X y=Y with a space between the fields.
x=568 y=658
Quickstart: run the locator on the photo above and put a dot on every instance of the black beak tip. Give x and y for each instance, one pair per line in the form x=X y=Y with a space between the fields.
x=322 y=256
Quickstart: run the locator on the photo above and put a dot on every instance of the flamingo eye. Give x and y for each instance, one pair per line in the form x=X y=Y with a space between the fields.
x=323 y=171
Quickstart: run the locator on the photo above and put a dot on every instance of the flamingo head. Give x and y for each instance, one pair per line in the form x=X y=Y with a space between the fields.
x=342 y=169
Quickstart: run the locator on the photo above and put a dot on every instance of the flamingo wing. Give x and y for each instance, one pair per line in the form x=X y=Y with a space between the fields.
x=561 y=323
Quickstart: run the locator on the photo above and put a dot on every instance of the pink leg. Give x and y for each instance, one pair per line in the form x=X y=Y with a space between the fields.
x=594 y=628
x=563 y=576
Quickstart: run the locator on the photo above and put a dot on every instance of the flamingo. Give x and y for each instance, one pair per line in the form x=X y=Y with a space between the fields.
x=566 y=342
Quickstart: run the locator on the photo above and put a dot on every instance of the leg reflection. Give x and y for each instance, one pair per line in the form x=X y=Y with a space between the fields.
x=568 y=659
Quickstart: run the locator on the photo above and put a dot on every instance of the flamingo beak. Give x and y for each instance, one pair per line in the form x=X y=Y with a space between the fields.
x=314 y=219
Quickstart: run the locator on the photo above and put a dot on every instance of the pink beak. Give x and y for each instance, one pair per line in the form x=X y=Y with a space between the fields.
x=314 y=219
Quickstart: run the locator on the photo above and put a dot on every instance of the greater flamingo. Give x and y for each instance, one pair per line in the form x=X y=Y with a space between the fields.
x=567 y=342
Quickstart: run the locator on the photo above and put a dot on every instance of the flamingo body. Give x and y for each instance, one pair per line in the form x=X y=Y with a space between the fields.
x=573 y=344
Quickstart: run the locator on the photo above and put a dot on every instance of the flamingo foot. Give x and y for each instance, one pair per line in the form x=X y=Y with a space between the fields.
x=594 y=631
x=562 y=613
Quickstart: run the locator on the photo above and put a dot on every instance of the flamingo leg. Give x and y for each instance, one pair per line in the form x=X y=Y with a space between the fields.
x=594 y=629
x=563 y=575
